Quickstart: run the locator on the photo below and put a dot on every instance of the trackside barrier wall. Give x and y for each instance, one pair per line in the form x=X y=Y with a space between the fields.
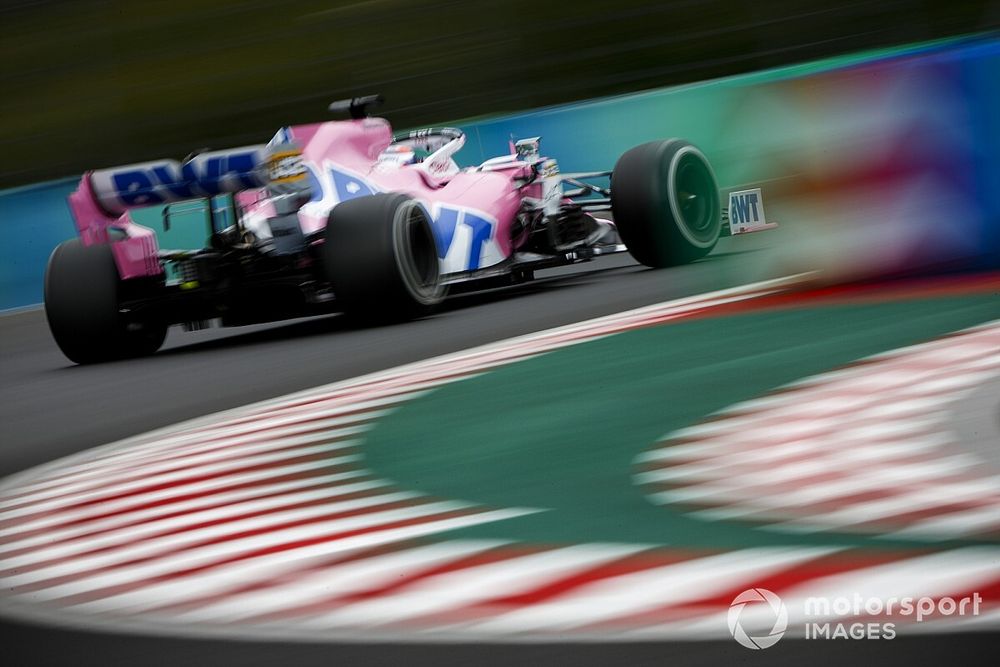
x=33 y=220
x=877 y=163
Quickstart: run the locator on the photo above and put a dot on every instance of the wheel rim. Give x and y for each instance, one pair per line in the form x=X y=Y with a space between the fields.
x=416 y=253
x=697 y=198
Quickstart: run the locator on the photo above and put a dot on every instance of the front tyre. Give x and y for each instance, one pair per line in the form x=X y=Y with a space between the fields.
x=82 y=307
x=665 y=201
x=381 y=258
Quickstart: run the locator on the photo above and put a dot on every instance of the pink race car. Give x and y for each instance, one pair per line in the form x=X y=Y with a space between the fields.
x=343 y=216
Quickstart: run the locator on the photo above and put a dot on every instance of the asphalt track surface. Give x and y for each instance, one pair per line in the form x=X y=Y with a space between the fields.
x=50 y=408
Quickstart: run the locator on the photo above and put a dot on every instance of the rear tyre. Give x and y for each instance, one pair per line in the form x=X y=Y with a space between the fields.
x=665 y=200
x=82 y=307
x=381 y=258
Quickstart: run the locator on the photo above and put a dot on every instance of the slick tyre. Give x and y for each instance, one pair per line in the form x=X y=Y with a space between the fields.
x=82 y=307
x=665 y=201
x=381 y=258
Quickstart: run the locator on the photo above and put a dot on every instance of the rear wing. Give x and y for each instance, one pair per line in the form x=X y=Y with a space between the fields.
x=119 y=189
x=101 y=202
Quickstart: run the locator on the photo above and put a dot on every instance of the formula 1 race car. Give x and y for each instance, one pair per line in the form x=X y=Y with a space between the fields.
x=344 y=216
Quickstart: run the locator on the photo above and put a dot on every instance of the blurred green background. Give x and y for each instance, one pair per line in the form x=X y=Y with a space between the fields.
x=93 y=83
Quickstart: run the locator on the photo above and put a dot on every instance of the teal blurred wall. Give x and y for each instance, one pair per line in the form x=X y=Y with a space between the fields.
x=33 y=220
x=885 y=163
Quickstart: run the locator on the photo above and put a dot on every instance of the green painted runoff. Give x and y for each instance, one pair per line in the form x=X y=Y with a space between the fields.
x=561 y=431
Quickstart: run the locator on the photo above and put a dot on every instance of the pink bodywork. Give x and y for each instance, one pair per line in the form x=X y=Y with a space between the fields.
x=352 y=146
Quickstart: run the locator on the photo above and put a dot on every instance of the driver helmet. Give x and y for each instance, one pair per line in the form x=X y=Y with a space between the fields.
x=404 y=154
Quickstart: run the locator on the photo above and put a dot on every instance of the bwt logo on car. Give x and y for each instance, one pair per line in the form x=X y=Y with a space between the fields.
x=743 y=207
x=162 y=181
x=746 y=212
